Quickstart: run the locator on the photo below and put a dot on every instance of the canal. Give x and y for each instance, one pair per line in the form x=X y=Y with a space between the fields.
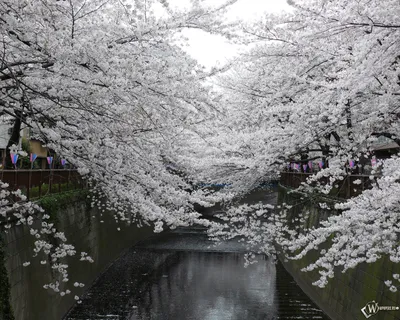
x=181 y=275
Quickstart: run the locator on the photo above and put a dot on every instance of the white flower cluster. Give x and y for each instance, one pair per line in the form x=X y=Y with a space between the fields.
x=45 y=236
x=393 y=286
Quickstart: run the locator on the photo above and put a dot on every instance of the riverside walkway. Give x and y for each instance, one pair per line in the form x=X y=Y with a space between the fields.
x=37 y=183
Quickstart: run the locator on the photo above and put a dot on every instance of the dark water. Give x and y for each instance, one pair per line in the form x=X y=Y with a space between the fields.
x=181 y=276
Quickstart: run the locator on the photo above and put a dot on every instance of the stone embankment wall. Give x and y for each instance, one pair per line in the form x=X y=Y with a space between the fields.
x=347 y=293
x=88 y=230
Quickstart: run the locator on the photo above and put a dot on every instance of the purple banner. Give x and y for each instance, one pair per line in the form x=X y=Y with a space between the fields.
x=32 y=157
x=14 y=158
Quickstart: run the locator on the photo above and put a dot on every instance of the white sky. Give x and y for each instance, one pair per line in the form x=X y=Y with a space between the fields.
x=209 y=49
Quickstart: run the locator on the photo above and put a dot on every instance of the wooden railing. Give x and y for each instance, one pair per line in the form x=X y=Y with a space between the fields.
x=345 y=188
x=37 y=183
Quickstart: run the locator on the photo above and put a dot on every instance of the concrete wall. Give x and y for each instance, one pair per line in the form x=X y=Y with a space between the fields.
x=101 y=240
x=346 y=294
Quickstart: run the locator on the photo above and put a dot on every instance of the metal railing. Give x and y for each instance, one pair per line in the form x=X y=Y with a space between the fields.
x=346 y=188
x=37 y=183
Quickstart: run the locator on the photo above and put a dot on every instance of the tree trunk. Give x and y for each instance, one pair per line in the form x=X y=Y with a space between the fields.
x=14 y=138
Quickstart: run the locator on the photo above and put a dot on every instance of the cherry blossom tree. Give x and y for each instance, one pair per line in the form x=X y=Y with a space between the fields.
x=321 y=82
x=104 y=84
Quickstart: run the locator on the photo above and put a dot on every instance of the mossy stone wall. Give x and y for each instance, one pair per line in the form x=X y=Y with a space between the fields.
x=6 y=312
x=88 y=230
x=347 y=293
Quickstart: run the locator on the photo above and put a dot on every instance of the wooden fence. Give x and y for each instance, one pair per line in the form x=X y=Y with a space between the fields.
x=345 y=188
x=37 y=183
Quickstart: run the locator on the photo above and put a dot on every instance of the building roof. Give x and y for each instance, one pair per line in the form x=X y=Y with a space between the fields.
x=385 y=146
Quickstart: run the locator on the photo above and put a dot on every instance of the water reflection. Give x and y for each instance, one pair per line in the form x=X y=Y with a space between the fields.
x=175 y=276
x=209 y=286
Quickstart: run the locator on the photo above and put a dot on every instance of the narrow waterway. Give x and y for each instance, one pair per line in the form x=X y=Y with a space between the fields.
x=180 y=275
